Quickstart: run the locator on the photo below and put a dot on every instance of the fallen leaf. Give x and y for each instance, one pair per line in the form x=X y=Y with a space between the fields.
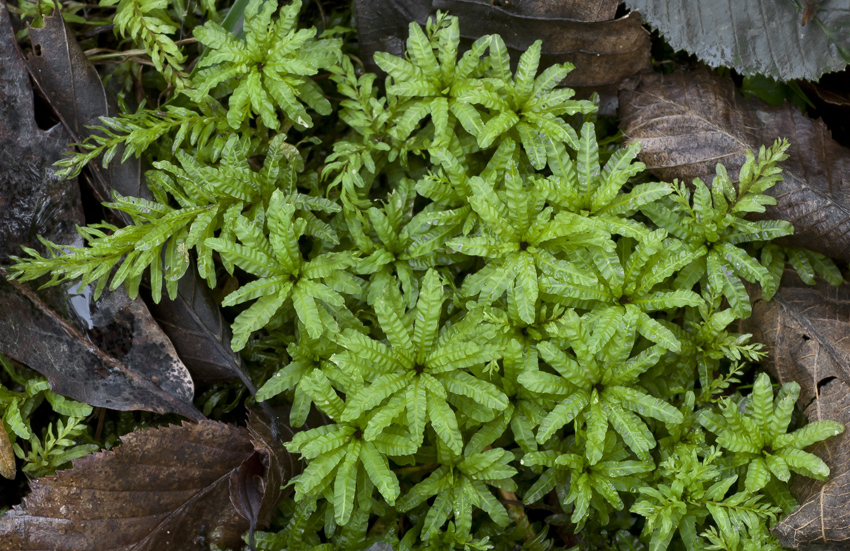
x=193 y=321
x=603 y=51
x=108 y=353
x=382 y=26
x=199 y=332
x=687 y=122
x=162 y=488
x=756 y=36
x=8 y=469
x=121 y=361
x=821 y=520
x=74 y=89
x=804 y=330
x=579 y=10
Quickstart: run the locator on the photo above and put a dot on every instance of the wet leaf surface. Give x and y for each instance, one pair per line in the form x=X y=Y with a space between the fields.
x=687 y=122
x=108 y=353
x=604 y=50
x=193 y=321
x=73 y=88
x=772 y=37
x=199 y=332
x=162 y=488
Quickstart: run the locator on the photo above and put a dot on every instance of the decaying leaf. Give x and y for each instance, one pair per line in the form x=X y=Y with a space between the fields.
x=72 y=86
x=821 y=520
x=107 y=353
x=193 y=321
x=688 y=122
x=604 y=50
x=117 y=358
x=199 y=332
x=8 y=469
x=757 y=36
x=804 y=330
x=162 y=488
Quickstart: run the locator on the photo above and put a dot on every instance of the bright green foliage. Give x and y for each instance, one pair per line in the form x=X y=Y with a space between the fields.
x=209 y=200
x=271 y=67
x=389 y=242
x=758 y=436
x=582 y=186
x=207 y=132
x=698 y=490
x=487 y=300
x=460 y=484
x=808 y=265
x=148 y=23
x=306 y=355
x=630 y=283
x=54 y=451
x=521 y=243
x=523 y=108
x=419 y=369
x=339 y=454
x=714 y=219
x=707 y=340
x=595 y=386
x=594 y=489
x=283 y=273
x=27 y=391
x=434 y=83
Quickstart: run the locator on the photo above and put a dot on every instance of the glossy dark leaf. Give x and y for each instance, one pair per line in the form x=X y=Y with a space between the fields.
x=162 y=488
x=108 y=353
x=687 y=122
x=194 y=323
x=193 y=320
x=780 y=39
x=72 y=86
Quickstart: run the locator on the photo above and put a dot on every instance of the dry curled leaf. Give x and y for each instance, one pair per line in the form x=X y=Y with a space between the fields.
x=162 y=488
x=687 y=122
x=8 y=468
x=604 y=50
x=821 y=520
x=107 y=353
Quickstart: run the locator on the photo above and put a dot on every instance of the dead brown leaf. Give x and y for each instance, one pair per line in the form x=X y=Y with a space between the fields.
x=162 y=488
x=687 y=122
x=8 y=469
x=821 y=520
x=107 y=353
x=73 y=88
x=805 y=331
x=604 y=50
